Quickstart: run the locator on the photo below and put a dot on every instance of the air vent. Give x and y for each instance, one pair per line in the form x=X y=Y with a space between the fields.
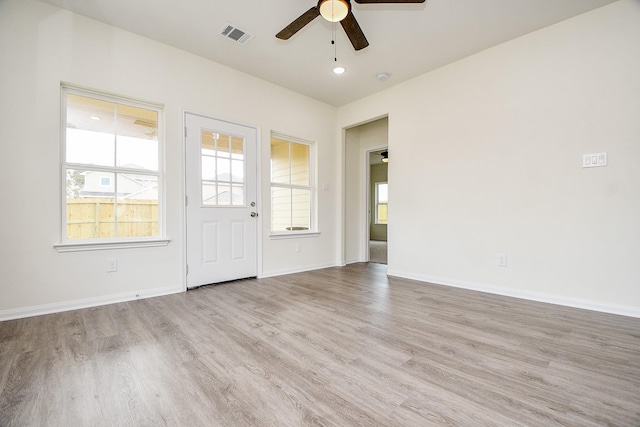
x=231 y=32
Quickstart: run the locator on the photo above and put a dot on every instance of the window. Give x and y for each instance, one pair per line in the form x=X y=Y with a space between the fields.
x=292 y=185
x=223 y=163
x=111 y=168
x=382 y=199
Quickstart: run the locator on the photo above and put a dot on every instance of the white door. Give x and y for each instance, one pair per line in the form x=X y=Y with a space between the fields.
x=221 y=189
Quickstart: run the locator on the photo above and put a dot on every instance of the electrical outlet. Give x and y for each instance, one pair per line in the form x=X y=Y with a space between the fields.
x=298 y=247
x=112 y=265
x=501 y=260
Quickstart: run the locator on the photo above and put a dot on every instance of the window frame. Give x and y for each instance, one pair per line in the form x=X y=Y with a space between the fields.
x=70 y=245
x=377 y=202
x=312 y=187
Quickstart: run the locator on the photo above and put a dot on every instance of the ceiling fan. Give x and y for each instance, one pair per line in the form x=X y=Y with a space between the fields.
x=336 y=11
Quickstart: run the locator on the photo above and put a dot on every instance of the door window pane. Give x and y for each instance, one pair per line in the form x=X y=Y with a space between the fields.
x=209 y=194
x=237 y=171
x=237 y=195
x=223 y=174
x=208 y=168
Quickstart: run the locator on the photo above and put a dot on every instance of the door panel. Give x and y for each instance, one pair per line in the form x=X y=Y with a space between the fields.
x=221 y=189
x=209 y=242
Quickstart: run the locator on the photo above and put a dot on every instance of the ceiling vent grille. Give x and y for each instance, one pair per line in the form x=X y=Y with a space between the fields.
x=232 y=32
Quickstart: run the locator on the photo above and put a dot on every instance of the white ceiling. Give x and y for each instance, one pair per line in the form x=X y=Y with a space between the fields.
x=406 y=40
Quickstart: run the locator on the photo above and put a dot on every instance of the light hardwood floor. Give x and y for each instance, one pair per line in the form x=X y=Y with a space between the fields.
x=378 y=251
x=335 y=347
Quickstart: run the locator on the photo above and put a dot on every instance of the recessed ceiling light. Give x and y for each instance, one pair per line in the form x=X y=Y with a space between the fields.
x=95 y=118
x=339 y=69
x=382 y=76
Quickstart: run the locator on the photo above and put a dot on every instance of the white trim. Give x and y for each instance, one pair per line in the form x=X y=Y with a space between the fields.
x=108 y=96
x=298 y=269
x=294 y=235
x=622 y=310
x=38 y=310
x=183 y=197
x=98 y=246
x=259 y=200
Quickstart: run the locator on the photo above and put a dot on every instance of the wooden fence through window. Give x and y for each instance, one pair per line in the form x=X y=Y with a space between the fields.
x=96 y=218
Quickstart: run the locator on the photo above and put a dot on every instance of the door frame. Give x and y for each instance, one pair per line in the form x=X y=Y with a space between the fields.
x=367 y=199
x=183 y=187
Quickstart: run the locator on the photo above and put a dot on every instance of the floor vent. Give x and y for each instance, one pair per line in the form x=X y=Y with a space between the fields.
x=231 y=32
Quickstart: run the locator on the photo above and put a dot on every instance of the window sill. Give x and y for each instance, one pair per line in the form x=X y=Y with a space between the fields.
x=294 y=235
x=98 y=246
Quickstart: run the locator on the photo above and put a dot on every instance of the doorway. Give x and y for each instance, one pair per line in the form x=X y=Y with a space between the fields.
x=221 y=191
x=359 y=214
x=378 y=190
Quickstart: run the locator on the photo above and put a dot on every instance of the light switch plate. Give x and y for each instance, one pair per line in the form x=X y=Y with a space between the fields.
x=501 y=260
x=594 y=160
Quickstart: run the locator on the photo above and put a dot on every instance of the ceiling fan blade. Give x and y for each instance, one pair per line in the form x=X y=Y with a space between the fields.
x=388 y=1
x=298 y=23
x=354 y=32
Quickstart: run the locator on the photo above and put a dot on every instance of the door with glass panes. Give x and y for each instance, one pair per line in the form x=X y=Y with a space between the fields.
x=221 y=190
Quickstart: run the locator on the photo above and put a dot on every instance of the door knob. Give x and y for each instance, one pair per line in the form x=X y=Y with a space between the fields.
x=254 y=214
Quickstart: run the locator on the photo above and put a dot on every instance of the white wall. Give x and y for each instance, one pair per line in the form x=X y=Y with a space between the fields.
x=40 y=47
x=359 y=140
x=487 y=159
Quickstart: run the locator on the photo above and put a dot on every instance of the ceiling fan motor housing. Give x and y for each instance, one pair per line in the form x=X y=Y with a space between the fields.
x=334 y=10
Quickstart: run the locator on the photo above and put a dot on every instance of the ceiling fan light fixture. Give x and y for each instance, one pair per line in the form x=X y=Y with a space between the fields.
x=339 y=69
x=385 y=156
x=334 y=10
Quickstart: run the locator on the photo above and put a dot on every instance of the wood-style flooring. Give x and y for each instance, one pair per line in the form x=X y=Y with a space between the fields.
x=378 y=251
x=335 y=347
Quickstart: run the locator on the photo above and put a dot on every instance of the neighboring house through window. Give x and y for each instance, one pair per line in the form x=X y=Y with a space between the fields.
x=292 y=185
x=112 y=173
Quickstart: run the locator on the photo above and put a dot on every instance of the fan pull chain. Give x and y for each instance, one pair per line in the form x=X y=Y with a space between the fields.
x=333 y=42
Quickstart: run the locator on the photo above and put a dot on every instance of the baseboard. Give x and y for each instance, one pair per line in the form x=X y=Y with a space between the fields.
x=38 y=310
x=298 y=269
x=353 y=261
x=622 y=310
